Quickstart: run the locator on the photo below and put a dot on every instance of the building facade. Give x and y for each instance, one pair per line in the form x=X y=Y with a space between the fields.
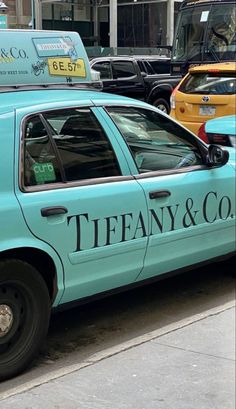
x=122 y=23
x=19 y=13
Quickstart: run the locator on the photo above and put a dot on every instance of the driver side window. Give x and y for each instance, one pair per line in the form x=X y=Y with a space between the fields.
x=156 y=143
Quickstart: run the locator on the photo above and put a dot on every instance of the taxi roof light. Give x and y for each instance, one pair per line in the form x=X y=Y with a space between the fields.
x=213 y=70
x=43 y=57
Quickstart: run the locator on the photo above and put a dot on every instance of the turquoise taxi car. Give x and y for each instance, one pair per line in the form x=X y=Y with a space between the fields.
x=220 y=130
x=98 y=191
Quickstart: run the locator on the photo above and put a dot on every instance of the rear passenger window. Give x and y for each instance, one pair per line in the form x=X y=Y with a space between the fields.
x=123 y=69
x=146 y=67
x=104 y=68
x=65 y=146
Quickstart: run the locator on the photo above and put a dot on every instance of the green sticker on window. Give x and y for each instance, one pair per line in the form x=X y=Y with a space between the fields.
x=44 y=172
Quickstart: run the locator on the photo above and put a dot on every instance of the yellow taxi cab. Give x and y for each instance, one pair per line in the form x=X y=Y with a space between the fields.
x=206 y=92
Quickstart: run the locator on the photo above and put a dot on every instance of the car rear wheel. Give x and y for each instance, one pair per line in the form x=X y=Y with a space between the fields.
x=162 y=104
x=24 y=316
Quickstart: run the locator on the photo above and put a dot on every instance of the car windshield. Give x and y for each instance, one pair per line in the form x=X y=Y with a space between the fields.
x=206 y=33
x=209 y=83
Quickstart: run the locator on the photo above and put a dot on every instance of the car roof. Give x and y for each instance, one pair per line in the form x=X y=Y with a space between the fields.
x=224 y=67
x=130 y=57
x=43 y=99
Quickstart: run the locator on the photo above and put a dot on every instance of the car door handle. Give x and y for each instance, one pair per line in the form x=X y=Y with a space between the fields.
x=159 y=193
x=51 y=211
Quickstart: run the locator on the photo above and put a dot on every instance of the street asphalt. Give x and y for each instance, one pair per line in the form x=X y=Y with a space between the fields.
x=186 y=366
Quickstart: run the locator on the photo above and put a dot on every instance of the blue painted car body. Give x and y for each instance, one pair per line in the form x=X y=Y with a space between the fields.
x=222 y=130
x=98 y=192
x=192 y=224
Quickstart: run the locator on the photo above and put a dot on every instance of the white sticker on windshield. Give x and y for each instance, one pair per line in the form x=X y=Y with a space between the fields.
x=204 y=16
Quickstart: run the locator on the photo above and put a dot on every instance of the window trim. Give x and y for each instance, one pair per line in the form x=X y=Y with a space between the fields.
x=74 y=184
x=173 y=171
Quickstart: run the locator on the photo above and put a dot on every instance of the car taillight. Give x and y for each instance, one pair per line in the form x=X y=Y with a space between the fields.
x=202 y=133
x=172 y=98
x=221 y=139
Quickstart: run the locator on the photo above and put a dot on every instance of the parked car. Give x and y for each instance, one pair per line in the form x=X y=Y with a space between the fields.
x=206 y=92
x=98 y=192
x=133 y=76
x=220 y=130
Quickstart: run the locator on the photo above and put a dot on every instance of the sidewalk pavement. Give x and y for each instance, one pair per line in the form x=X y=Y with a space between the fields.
x=191 y=367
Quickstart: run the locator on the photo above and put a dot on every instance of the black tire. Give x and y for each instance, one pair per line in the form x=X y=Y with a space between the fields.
x=24 y=316
x=162 y=104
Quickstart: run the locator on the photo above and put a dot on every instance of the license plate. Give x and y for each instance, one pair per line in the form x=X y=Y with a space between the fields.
x=207 y=110
x=66 y=67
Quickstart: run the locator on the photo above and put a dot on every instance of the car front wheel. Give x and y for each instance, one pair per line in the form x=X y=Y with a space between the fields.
x=162 y=104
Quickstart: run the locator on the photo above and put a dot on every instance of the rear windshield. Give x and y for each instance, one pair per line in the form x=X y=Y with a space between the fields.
x=209 y=83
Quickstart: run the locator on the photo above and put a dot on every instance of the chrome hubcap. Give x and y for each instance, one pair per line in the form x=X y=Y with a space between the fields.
x=162 y=108
x=6 y=319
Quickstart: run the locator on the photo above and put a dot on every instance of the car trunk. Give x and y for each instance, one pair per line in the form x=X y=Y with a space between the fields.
x=193 y=108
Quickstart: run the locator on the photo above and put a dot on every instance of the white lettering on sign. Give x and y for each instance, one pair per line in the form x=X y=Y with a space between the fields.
x=63 y=45
x=43 y=47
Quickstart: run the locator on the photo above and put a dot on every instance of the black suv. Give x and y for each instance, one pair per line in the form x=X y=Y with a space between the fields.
x=132 y=76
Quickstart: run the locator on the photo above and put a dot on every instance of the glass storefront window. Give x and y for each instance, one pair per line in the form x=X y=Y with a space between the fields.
x=142 y=25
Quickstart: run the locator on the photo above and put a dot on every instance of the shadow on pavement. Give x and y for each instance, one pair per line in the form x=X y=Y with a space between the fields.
x=75 y=334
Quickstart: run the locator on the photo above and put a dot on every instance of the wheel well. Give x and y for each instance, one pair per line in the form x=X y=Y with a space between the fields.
x=165 y=94
x=41 y=261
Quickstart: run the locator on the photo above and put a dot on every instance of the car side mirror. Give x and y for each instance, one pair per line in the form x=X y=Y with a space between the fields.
x=144 y=74
x=217 y=156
